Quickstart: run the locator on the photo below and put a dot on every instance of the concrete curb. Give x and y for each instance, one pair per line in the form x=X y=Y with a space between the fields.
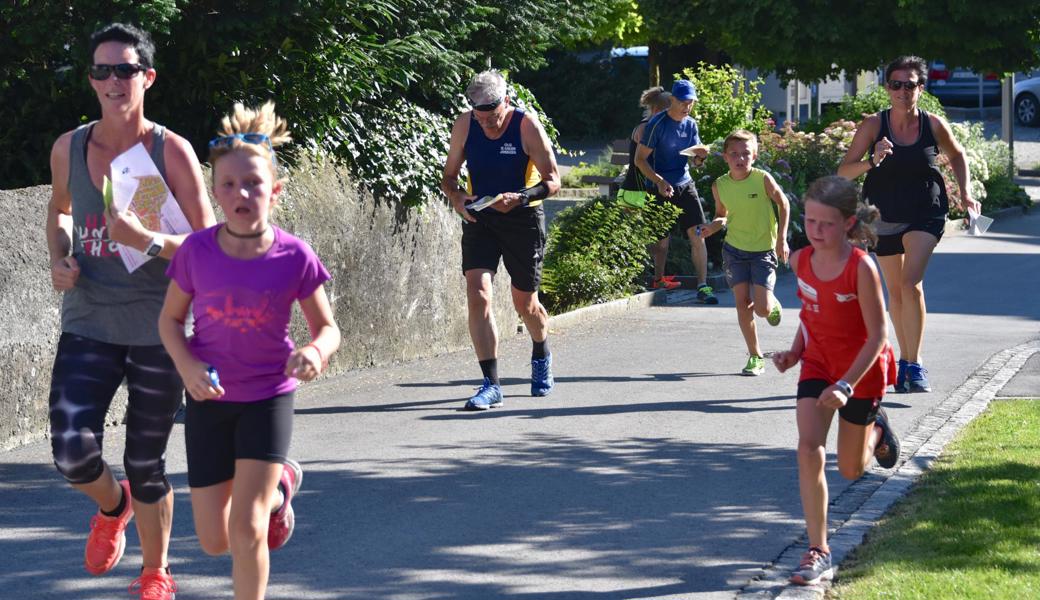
x=615 y=307
x=865 y=502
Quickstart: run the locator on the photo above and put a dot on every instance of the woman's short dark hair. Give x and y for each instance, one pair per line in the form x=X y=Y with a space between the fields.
x=915 y=63
x=129 y=35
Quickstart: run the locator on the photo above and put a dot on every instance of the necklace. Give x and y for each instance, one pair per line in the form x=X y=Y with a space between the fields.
x=244 y=236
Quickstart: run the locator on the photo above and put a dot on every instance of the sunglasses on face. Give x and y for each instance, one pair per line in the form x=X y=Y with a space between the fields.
x=895 y=85
x=490 y=106
x=122 y=71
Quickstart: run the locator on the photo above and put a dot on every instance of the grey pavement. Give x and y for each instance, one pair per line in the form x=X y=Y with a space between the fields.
x=652 y=471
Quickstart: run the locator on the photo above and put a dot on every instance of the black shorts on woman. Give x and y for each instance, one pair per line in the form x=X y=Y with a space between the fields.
x=907 y=188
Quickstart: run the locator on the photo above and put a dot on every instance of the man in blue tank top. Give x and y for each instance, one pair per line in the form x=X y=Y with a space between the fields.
x=109 y=316
x=509 y=159
x=667 y=172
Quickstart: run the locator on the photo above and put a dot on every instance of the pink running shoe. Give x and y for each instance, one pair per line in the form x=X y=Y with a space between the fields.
x=283 y=520
x=154 y=584
x=107 y=538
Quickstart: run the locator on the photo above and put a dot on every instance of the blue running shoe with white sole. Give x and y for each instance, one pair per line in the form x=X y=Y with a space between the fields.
x=541 y=376
x=916 y=380
x=488 y=396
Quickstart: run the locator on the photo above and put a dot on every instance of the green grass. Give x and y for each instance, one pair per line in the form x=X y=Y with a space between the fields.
x=970 y=528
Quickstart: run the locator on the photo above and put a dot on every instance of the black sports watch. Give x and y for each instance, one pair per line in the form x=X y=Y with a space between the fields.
x=154 y=247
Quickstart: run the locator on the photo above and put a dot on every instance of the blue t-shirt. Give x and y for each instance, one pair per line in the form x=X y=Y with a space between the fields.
x=666 y=137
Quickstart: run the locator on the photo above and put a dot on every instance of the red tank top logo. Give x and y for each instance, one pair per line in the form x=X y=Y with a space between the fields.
x=845 y=297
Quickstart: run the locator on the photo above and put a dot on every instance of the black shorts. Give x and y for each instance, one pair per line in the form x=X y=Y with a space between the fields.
x=517 y=237
x=858 y=411
x=216 y=434
x=685 y=197
x=890 y=245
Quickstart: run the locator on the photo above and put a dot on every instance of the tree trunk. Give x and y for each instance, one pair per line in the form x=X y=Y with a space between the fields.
x=654 y=62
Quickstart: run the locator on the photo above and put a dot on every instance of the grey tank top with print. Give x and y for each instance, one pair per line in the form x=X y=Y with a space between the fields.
x=108 y=303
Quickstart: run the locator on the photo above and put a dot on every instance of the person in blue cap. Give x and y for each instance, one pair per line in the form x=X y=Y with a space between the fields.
x=661 y=159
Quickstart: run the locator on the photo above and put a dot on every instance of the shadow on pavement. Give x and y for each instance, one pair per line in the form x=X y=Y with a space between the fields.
x=555 y=516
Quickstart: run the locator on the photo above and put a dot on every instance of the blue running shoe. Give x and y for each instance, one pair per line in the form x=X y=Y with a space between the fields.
x=541 y=376
x=488 y=396
x=915 y=378
x=901 y=375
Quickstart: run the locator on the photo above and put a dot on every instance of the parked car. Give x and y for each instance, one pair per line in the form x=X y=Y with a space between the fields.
x=1027 y=101
x=960 y=87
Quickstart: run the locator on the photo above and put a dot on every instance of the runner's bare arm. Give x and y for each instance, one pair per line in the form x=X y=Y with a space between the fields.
x=537 y=145
x=783 y=216
x=64 y=268
x=853 y=165
x=453 y=168
x=958 y=161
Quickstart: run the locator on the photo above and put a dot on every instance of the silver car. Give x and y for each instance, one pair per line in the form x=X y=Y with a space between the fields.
x=1027 y=101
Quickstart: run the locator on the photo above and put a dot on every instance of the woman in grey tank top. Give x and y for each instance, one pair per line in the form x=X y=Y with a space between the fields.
x=109 y=316
x=904 y=183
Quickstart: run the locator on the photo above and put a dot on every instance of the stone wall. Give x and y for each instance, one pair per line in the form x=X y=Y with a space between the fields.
x=397 y=289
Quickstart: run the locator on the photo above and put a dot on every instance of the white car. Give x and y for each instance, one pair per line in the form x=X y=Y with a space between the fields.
x=1027 y=101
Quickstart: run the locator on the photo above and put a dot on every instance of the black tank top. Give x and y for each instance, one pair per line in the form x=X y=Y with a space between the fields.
x=907 y=186
x=633 y=177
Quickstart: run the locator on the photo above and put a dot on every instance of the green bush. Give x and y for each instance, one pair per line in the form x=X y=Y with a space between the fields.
x=597 y=251
x=601 y=167
x=725 y=101
x=1003 y=192
x=869 y=101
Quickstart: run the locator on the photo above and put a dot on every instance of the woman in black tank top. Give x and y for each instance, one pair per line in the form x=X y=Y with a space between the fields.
x=897 y=150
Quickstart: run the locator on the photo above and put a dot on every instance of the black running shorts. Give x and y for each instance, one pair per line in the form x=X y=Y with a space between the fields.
x=890 y=245
x=516 y=237
x=216 y=434
x=858 y=411
x=685 y=197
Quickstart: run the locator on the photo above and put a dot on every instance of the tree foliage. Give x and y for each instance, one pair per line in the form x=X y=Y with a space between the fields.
x=373 y=82
x=814 y=39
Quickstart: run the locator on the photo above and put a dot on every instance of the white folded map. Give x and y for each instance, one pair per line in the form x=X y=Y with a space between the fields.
x=138 y=186
x=483 y=203
x=692 y=150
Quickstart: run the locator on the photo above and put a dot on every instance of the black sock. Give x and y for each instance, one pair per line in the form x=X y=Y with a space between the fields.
x=540 y=349
x=119 y=509
x=489 y=368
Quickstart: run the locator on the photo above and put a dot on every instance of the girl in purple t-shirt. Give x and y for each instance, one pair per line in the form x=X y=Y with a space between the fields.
x=240 y=368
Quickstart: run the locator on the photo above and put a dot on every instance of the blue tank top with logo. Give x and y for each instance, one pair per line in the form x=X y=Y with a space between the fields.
x=499 y=165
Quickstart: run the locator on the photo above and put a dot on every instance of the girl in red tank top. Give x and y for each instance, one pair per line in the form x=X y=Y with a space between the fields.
x=846 y=359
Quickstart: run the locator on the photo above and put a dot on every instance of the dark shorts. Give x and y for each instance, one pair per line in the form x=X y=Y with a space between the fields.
x=890 y=245
x=685 y=197
x=516 y=237
x=216 y=434
x=858 y=411
x=758 y=268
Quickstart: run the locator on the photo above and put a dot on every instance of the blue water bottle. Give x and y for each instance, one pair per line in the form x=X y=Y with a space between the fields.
x=213 y=377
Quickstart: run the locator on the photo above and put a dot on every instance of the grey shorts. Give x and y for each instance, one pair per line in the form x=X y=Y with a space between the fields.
x=758 y=268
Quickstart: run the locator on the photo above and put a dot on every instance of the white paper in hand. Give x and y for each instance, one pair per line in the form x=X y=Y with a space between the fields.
x=978 y=224
x=483 y=203
x=137 y=185
x=692 y=150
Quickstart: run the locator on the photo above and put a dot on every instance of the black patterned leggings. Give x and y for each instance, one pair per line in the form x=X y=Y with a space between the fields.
x=85 y=378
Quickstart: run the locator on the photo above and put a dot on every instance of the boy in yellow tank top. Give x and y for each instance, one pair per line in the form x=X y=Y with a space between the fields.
x=756 y=238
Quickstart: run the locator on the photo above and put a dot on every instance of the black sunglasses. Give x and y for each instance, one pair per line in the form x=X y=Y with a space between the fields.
x=490 y=106
x=895 y=85
x=122 y=71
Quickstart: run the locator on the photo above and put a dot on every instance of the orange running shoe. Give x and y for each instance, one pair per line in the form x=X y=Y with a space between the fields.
x=107 y=538
x=665 y=284
x=154 y=584
x=283 y=521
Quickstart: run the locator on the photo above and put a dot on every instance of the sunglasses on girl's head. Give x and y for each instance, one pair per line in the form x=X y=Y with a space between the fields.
x=490 y=106
x=122 y=71
x=895 y=85
x=249 y=138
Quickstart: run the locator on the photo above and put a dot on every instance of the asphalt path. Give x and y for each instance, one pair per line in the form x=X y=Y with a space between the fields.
x=653 y=470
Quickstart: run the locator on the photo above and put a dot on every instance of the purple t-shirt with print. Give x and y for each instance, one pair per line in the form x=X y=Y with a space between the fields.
x=242 y=309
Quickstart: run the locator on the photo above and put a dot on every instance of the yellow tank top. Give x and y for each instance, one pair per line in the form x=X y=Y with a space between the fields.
x=750 y=216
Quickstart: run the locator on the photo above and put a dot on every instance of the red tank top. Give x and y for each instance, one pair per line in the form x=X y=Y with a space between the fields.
x=833 y=328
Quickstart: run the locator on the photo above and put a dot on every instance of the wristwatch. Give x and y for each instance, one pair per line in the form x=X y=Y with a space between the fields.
x=154 y=247
x=845 y=386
